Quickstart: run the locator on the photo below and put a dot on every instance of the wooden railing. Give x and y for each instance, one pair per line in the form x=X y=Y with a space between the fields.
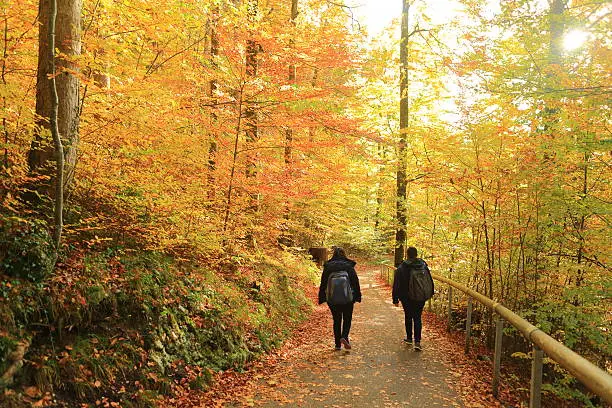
x=593 y=377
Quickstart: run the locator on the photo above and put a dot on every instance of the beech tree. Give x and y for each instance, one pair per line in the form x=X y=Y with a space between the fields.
x=68 y=43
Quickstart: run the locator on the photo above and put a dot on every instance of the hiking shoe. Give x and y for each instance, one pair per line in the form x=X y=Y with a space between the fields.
x=408 y=341
x=417 y=346
x=345 y=343
x=337 y=348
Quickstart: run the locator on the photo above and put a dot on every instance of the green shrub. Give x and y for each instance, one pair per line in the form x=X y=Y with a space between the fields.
x=28 y=251
x=582 y=327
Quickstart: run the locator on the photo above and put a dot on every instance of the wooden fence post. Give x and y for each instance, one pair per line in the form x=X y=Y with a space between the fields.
x=468 y=326
x=535 y=394
x=499 y=331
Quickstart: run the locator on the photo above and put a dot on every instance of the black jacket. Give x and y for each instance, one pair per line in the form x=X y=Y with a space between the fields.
x=335 y=265
x=401 y=278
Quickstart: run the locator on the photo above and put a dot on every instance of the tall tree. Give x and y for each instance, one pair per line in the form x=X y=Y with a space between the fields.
x=66 y=79
x=291 y=79
x=57 y=141
x=250 y=112
x=400 y=233
x=289 y=131
x=212 y=94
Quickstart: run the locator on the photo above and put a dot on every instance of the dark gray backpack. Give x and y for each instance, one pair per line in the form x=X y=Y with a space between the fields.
x=339 y=291
x=420 y=285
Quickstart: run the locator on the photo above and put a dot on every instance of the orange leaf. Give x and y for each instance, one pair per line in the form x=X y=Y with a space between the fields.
x=32 y=391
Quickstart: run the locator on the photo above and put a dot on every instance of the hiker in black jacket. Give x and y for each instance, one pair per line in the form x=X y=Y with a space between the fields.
x=342 y=313
x=412 y=308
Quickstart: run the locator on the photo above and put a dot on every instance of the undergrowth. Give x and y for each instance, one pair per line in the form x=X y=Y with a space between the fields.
x=123 y=327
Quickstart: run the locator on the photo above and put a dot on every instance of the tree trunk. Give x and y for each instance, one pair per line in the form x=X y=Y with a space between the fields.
x=292 y=74
x=557 y=28
x=212 y=93
x=285 y=238
x=251 y=121
x=379 y=190
x=401 y=182
x=581 y=227
x=5 y=161
x=250 y=112
x=230 y=187
x=57 y=141
x=68 y=43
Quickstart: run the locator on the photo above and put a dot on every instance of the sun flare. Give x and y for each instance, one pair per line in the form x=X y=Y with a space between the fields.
x=574 y=39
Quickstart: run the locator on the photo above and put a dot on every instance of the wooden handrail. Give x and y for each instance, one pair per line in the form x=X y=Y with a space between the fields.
x=593 y=377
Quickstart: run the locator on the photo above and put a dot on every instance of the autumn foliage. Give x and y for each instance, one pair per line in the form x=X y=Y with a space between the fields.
x=217 y=140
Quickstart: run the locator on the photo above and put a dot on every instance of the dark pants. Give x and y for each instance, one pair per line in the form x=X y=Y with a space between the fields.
x=342 y=314
x=412 y=314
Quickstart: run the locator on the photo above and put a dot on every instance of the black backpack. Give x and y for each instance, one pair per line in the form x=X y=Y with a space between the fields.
x=339 y=291
x=420 y=284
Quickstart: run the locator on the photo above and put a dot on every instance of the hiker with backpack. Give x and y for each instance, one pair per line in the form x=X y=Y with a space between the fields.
x=340 y=289
x=413 y=286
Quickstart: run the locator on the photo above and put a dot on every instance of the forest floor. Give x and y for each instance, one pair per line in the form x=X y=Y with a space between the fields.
x=379 y=371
